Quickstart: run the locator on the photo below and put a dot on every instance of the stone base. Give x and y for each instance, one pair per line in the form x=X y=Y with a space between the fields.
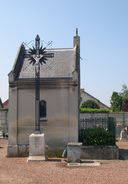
x=100 y=152
x=84 y=164
x=36 y=158
x=77 y=152
x=36 y=146
x=12 y=150
x=17 y=150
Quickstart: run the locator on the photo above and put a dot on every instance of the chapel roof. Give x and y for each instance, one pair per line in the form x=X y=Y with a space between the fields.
x=62 y=65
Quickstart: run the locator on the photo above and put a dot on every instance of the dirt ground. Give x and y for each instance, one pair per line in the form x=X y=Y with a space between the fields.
x=19 y=171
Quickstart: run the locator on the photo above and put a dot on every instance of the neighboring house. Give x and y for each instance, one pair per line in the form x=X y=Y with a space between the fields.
x=3 y=118
x=1 y=104
x=6 y=104
x=86 y=96
x=59 y=98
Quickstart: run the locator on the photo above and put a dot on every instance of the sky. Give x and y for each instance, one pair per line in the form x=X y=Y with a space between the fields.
x=103 y=30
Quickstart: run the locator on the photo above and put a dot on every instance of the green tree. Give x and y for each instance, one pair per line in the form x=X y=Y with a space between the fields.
x=124 y=94
x=124 y=91
x=119 y=101
x=116 y=102
x=125 y=105
x=90 y=104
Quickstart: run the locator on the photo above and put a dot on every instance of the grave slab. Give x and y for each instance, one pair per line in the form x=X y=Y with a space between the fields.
x=36 y=147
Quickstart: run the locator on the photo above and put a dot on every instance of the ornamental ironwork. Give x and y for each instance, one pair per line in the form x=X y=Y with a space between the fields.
x=38 y=55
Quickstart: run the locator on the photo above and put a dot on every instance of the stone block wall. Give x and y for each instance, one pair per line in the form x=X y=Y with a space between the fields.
x=77 y=152
x=121 y=119
x=4 y=121
x=100 y=152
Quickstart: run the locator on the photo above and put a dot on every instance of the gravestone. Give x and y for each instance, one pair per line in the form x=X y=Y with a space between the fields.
x=36 y=147
x=74 y=151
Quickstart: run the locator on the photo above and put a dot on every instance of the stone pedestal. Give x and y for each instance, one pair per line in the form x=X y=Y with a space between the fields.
x=74 y=151
x=36 y=147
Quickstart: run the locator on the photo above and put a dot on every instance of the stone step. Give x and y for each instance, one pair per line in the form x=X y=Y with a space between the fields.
x=36 y=158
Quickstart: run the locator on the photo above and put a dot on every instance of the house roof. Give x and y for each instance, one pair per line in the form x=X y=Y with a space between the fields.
x=62 y=65
x=95 y=99
x=1 y=104
x=5 y=104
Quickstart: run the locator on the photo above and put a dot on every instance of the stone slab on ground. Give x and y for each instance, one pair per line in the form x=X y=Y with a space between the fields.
x=85 y=163
x=36 y=158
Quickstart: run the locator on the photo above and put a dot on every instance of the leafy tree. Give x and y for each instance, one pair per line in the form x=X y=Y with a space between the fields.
x=116 y=102
x=119 y=101
x=90 y=104
x=124 y=94
x=125 y=105
x=124 y=91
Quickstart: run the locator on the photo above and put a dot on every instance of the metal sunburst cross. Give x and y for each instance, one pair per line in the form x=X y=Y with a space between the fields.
x=38 y=56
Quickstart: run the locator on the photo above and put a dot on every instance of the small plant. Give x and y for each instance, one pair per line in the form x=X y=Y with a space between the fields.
x=54 y=153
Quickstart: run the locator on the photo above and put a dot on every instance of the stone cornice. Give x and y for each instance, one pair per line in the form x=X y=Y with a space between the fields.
x=44 y=83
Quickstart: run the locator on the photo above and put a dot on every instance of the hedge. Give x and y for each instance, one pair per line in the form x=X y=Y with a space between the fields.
x=96 y=136
x=1 y=109
x=90 y=110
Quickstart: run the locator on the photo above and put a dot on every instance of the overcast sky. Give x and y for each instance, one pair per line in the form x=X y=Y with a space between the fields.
x=103 y=29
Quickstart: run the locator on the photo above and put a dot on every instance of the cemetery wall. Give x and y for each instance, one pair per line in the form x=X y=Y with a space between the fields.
x=121 y=118
x=4 y=121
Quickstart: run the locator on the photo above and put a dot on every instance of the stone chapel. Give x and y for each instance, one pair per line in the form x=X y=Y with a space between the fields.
x=59 y=99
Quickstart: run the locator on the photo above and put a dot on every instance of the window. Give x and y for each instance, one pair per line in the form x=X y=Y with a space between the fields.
x=43 y=111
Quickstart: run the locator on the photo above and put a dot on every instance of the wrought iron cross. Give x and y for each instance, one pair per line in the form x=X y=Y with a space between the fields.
x=38 y=56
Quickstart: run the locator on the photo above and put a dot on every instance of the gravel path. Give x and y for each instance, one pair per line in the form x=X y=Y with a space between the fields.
x=18 y=171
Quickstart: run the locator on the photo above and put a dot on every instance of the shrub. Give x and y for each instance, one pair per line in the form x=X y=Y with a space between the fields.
x=90 y=110
x=112 y=126
x=1 y=109
x=90 y=104
x=96 y=136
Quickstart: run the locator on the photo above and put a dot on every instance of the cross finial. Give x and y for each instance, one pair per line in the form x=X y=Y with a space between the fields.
x=76 y=31
x=37 y=44
x=37 y=38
